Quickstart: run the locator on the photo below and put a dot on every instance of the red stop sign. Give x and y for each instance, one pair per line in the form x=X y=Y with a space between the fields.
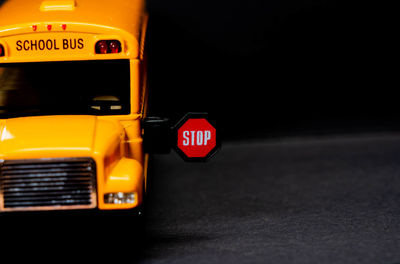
x=197 y=138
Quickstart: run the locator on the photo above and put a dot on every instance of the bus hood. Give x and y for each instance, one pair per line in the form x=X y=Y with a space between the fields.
x=56 y=136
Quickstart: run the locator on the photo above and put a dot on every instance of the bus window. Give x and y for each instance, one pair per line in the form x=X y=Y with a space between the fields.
x=65 y=88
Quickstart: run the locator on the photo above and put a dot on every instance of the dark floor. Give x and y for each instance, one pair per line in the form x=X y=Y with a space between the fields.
x=295 y=200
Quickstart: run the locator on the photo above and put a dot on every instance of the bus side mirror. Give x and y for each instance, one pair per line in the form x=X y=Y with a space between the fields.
x=156 y=135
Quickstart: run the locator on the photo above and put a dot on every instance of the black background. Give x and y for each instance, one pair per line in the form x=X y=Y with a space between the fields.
x=275 y=67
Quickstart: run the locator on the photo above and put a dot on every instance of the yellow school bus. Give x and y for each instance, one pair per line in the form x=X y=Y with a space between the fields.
x=72 y=98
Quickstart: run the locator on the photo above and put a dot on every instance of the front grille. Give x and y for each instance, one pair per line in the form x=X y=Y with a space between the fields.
x=47 y=184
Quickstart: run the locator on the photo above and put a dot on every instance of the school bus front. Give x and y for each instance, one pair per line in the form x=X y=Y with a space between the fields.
x=72 y=97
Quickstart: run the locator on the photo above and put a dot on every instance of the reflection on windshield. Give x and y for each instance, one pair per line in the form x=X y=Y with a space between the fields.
x=65 y=88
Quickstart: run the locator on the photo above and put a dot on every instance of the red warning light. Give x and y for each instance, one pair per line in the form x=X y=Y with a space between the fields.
x=64 y=26
x=2 y=53
x=108 y=46
x=115 y=46
x=34 y=27
x=49 y=27
x=101 y=47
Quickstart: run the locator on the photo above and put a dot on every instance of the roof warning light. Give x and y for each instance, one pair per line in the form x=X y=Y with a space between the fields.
x=2 y=52
x=108 y=46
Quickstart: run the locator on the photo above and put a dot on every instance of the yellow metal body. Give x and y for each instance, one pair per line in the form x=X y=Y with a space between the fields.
x=114 y=142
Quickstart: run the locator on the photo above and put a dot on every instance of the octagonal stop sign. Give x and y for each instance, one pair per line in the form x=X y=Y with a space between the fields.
x=196 y=138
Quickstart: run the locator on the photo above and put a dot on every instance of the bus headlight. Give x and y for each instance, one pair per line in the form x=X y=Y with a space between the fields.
x=119 y=198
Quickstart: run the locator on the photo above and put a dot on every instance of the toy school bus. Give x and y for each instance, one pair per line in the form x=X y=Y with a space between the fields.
x=72 y=99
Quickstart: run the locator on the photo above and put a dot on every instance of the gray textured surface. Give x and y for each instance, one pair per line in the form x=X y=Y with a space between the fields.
x=328 y=200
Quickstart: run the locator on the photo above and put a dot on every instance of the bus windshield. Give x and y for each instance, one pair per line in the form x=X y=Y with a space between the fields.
x=65 y=88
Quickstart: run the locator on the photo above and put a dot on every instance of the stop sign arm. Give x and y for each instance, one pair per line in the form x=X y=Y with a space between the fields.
x=194 y=137
x=157 y=135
